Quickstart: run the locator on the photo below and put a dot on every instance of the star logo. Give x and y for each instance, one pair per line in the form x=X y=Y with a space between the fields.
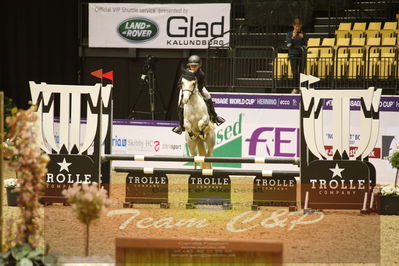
x=64 y=165
x=337 y=171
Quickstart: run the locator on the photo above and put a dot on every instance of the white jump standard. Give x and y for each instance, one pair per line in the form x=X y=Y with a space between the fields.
x=328 y=181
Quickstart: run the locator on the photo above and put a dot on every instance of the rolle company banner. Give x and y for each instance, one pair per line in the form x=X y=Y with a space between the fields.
x=170 y=26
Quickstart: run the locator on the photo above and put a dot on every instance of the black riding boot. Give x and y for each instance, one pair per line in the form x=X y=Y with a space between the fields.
x=214 y=116
x=179 y=129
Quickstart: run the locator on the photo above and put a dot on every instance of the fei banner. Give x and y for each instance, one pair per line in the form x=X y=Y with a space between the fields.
x=170 y=26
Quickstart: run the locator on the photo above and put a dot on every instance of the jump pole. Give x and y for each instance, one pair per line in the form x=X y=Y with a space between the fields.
x=199 y=159
x=206 y=172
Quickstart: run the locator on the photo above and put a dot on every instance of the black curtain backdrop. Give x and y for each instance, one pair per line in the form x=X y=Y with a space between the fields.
x=129 y=90
x=39 y=44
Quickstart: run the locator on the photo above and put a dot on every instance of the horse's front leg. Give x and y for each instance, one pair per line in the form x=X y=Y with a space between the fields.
x=202 y=124
x=210 y=143
x=192 y=147
x=188 y=127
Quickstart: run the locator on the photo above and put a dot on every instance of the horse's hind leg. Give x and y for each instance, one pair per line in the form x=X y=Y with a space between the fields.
x=202 y=152
x=192 y=147
x=210 y=143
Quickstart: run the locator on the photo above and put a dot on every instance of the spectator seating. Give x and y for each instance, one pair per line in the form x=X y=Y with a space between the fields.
x=361 y=51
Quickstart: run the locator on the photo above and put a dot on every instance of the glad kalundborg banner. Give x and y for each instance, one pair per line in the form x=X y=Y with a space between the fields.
x=171 y=26
x=256 y=125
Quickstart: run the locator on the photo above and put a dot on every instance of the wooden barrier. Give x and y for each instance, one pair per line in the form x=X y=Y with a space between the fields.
x=152 y=251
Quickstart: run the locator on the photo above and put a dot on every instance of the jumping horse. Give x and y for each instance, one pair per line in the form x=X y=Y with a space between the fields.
x=200 y=131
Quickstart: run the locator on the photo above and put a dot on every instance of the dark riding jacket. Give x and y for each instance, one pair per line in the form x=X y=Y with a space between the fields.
x=200 y=76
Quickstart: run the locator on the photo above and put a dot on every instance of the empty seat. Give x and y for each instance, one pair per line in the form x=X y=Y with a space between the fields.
x=359 y=26
x=374 y=26
x=313 y=42
x=343 y=30
x=387 y=63
x=387 y=33
x=343 y=42
x=325 y=61
x=345 y=26
x=327 y=42
x=356 y=62
x=390 y=25
x=357 y=42
x=341 y=60
x=342 y=34
x=373 y=56
x=357 y=34
x=388 y=41
x=372 y=33
x=312 y=55
x=371 y=46
x=373 y=42
x=282 y=67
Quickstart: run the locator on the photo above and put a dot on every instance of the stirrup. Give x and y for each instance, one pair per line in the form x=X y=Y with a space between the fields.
x=178 y=130
x=219 y=120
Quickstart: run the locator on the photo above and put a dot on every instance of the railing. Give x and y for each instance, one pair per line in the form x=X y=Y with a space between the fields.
x=240 y=68
x=350 y=67
x=266 y=69
x=382 y=67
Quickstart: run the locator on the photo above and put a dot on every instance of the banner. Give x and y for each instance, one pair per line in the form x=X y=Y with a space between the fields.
x=256 y=125
x=167 y=26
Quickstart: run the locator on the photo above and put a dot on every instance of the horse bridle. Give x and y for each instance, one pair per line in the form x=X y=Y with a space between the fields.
x=191 y=91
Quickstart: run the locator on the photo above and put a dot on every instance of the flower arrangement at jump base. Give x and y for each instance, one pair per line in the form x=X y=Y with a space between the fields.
x=389 y=200
x=12 y=196
x=389 y=191
x=88 y=202
x=22 y=148
x=10 y=183
x=389 y=195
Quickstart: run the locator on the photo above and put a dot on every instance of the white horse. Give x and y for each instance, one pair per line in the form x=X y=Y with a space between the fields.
x=200 y=131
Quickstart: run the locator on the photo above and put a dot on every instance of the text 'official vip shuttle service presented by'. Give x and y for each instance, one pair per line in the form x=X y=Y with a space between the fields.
x=172 y=26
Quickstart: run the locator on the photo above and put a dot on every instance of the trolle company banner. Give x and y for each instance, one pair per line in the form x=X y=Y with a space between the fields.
x=172 y=26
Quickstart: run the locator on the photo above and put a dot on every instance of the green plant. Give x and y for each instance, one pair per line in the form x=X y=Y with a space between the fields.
x=394 y=159
x=25 y=254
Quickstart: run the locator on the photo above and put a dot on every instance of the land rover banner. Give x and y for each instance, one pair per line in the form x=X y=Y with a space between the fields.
x=170 y=26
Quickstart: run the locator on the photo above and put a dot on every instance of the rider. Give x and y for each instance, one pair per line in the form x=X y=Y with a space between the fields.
x=194 y=65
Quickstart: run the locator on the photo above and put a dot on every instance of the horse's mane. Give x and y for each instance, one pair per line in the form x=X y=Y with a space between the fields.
x=188 y=75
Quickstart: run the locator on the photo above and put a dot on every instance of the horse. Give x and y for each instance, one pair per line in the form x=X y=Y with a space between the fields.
x=200 y=131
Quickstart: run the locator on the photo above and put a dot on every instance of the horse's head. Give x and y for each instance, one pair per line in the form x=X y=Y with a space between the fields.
x=188 y=85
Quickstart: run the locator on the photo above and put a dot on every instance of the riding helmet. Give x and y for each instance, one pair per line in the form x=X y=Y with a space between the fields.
x=194 y=60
